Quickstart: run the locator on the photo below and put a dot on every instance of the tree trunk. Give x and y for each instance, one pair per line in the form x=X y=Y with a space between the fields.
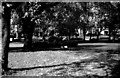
x=109 y=34
x=5 y=38
x=28 y=41
x=98 y=36
x=84 y=34
x=114 y=34
x=90 y=36
x=28 y=33
x=98 y=33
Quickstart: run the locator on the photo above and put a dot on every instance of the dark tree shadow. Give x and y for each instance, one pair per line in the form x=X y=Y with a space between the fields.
x=54 y=48
x=116 y=71
x=45 y=46
x=30 y=68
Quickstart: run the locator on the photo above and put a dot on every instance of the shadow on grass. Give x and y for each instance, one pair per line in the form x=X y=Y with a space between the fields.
x=54 y=47
x=116 y=71
x=30 y=68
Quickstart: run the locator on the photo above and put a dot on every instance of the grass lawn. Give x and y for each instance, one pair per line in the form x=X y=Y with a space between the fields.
x=87 y=59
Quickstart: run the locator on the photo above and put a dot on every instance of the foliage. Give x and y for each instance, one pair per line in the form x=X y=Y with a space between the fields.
x=64 y=18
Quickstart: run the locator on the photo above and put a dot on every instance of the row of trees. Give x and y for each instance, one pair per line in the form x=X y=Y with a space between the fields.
x=86 y=16
x=63 y=17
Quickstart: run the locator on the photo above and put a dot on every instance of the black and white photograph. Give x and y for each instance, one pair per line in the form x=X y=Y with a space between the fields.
x=69 y=39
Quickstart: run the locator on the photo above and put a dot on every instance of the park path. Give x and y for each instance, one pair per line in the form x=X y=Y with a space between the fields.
x=64 y=62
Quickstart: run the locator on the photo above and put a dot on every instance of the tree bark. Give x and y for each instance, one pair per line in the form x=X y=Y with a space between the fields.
x=90 y=36
x=28 y=28
x=98 y=33
x=110 y=34
x=28 y=42
x=114 y=34
x=98 y=36
x=84 y=34
x=5 y=37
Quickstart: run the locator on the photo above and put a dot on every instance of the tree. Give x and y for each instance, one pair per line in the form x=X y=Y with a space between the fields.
x=39 y=10
x=61 y=17
x=111 y=10
x=5 y=36
x=6 y=33
x=29 y=12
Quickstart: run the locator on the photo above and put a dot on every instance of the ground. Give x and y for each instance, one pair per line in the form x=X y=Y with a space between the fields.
x=86 y=59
